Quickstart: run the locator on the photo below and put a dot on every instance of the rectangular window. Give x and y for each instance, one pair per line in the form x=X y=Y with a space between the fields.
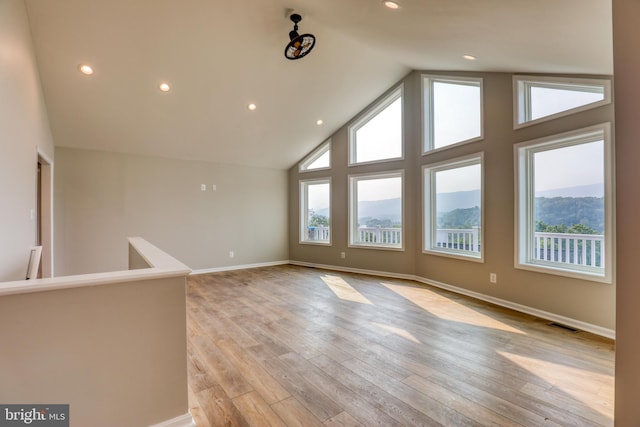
x=453 y=208
x=375 y=210
x=377 y=135
x=564 y=204
x=320 y=158
x=452 y=111
x=315 y=211
x=538 y=99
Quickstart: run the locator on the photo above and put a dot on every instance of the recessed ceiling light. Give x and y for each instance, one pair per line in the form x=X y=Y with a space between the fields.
x=252 y=106
x=469 y=57
x=164 y=87
x=85 y=69
x=319 y=122
x=391 y=4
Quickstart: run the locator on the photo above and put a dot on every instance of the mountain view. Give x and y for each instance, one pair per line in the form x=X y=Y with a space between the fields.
x=555 y=210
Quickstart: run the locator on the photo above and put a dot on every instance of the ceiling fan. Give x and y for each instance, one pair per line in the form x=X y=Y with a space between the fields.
x=299 y=45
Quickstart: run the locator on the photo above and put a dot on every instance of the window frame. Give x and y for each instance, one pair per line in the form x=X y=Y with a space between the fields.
x=522 y=103
x=429 y=217
x=369 y=114
x=353 y=210
x=303 y=211
x=303 y=166
x=524 y=220
x=427 y=81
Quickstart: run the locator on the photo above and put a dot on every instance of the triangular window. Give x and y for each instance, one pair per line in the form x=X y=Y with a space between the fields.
x=320 y=158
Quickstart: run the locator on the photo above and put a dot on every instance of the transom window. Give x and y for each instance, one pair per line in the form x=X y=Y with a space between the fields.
x=315 y=211
x=539 y=99
x=320 y=158
x=452 y=111
x=564 y=204
x=375 y=210
x=453 y=208
x=377 y=135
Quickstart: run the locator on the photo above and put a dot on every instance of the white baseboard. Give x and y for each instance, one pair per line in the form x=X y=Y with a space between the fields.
x=578 y=324
x=354 y=270
x=185 y=420
x=238 y=267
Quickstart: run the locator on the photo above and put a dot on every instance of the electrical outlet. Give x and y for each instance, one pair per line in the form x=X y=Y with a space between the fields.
x=493 y=277
x=231 y=254
x=343 y=255
x=203 y=187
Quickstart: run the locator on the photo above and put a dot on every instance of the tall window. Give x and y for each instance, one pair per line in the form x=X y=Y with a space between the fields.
x=375 y=210
x=320 y=158
x=564 y=204
x=315 y=211
x=452 y=108
x=453 y=208
x=544 y=98
x=377 y=135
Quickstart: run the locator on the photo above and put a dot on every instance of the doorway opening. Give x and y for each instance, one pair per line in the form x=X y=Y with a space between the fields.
x=44 y=214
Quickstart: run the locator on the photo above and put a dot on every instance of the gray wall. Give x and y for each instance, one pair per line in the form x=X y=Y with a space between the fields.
x=101 y=198
x=585 y=301
x=626 y=34
x=24 y=128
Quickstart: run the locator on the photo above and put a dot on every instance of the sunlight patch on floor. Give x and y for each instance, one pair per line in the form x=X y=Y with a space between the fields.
x=343 y=290
x=448 y=309
x=579 y=384
x=397 y=331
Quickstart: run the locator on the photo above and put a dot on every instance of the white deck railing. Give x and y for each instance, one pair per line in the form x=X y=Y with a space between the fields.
x=466 y=239
x=318 y=234
x=380 y=235
x=577 y=249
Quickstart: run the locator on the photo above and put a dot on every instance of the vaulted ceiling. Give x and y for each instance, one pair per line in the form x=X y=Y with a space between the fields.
x=219 y=56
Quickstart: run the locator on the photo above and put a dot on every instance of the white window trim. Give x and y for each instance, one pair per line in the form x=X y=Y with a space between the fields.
x=353 y=215
x=524 y=207
x=303 y=210
x=428 y=205
x=521 y=101
x=427 y=122
x=369 y=114
x=315 y=155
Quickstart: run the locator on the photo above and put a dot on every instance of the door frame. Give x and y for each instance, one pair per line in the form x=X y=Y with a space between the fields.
x=44 y=221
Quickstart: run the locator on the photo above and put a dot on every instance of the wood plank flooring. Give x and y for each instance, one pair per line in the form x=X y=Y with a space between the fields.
x=294 y=346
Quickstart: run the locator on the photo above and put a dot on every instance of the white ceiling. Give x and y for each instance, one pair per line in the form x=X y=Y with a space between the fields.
x=220 y=55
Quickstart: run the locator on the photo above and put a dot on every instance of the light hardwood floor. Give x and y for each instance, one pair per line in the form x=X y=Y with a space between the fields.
x=293 y=346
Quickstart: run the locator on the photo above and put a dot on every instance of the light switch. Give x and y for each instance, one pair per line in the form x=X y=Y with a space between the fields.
x=203 y=187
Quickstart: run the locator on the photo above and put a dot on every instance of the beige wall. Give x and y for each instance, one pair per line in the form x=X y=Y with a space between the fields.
x=584 y=301
x=116 y=353
x=101 y=198
x=626 y=34
x=24 y=128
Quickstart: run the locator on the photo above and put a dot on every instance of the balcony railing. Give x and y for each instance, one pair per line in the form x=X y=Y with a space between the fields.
x=464 y=239
x=317 y=234
x=576 y=249
x=380 y=235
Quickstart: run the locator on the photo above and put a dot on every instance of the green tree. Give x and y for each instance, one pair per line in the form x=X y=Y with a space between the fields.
x=543 y=227
x=316 y=220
